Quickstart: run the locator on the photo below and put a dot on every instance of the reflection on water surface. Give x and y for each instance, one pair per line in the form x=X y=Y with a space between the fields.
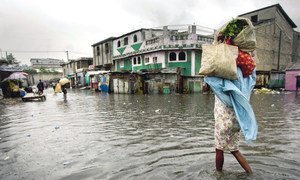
x=95 y=136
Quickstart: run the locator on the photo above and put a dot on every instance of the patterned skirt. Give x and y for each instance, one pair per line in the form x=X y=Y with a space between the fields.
x=227 y=128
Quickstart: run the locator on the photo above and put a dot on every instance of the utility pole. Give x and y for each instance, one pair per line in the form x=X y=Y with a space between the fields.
x=67 y=55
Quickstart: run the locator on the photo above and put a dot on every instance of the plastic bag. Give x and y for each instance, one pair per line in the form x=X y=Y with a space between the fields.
x=219 y=60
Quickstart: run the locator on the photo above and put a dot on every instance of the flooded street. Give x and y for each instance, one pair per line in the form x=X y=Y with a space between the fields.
x=116 y=136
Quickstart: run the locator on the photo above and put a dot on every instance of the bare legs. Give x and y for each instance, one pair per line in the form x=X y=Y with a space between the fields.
x=219 y=159
x=239 y=157
x=242 y=160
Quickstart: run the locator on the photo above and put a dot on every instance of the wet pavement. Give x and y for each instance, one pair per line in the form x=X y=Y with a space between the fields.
x=117 y=136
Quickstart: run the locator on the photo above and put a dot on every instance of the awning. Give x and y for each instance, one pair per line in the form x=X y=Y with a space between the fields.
x=91 y=73
x=71 y=75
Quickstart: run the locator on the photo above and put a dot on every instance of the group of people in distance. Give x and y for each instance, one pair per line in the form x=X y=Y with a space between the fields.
x=58 y=88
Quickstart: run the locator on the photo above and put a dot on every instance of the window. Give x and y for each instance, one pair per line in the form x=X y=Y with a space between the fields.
x=136 y=61
x=154 y=60
x=98 y=51
x=172 y=56
x=106 y=48
x=182 y=56
x=119 y=43
x=134 y=38
x=147 y=61
x=126 y=41
x=121 y=64
x=254 y=19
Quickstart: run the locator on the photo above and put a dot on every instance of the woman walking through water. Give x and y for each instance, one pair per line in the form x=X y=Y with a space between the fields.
x=233 y=111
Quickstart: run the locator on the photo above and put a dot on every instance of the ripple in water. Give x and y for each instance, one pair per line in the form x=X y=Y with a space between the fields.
x=96 y=136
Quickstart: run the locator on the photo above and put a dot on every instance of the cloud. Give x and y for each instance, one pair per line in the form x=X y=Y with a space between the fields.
x=60 y=25
x=159 y=13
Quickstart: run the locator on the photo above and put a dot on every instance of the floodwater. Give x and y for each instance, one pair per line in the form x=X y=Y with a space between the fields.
x=116 y=136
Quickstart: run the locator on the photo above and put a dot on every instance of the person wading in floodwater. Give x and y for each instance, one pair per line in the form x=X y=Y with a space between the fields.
x=40 y=87
x=64 y=90
x=233 y=111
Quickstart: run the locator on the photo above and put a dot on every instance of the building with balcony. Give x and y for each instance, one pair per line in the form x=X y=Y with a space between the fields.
x=159 y=60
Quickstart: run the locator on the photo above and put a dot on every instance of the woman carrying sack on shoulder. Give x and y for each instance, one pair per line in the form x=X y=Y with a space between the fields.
x=233 y=112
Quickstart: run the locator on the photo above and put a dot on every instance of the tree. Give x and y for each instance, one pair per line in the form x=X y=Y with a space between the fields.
x=11 y=59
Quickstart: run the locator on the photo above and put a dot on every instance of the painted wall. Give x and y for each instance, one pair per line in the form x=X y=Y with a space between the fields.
x=102 y=56
x=124 y=65
x=291 y=80
x=186 y=65
x=130 y=47
x=151 y=65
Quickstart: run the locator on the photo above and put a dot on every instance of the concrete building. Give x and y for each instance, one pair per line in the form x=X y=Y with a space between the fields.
x=159 y=60
x=102 y=54
x=296 y=47
x=275 y=44
x=49 y=64
x=76 y=69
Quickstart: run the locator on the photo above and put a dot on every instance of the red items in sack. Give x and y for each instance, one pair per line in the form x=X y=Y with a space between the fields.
x=246 y=62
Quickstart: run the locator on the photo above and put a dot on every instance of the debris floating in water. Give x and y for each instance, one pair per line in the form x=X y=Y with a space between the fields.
x=66 y=163
x=265 y=91
x=157 y=110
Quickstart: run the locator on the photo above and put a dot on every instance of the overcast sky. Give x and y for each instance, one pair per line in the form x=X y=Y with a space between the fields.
x=48 y=28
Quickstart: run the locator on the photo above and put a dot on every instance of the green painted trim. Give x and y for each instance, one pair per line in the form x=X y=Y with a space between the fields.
x=189 y=56
x=148 y=67
x=136 y=46
x=167 y=58
x=118 y=65
x=197 y=62
x=121 y=50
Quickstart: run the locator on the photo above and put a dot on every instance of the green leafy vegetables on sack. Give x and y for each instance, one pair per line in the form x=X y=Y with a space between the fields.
x=232 y=29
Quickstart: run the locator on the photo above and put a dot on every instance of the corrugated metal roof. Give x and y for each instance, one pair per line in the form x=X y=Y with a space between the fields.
x=10 y=69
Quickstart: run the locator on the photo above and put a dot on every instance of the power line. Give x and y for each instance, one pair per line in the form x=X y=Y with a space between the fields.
x=17 y=51
x=22 y=51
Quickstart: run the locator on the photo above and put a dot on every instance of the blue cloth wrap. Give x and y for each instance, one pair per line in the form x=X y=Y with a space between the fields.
x=236 y=94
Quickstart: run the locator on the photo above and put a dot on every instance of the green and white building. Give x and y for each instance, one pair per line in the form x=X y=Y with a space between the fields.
x=160 y=60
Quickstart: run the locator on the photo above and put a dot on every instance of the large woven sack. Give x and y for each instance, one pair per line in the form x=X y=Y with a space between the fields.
x=219 y=60
x=246 y=39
